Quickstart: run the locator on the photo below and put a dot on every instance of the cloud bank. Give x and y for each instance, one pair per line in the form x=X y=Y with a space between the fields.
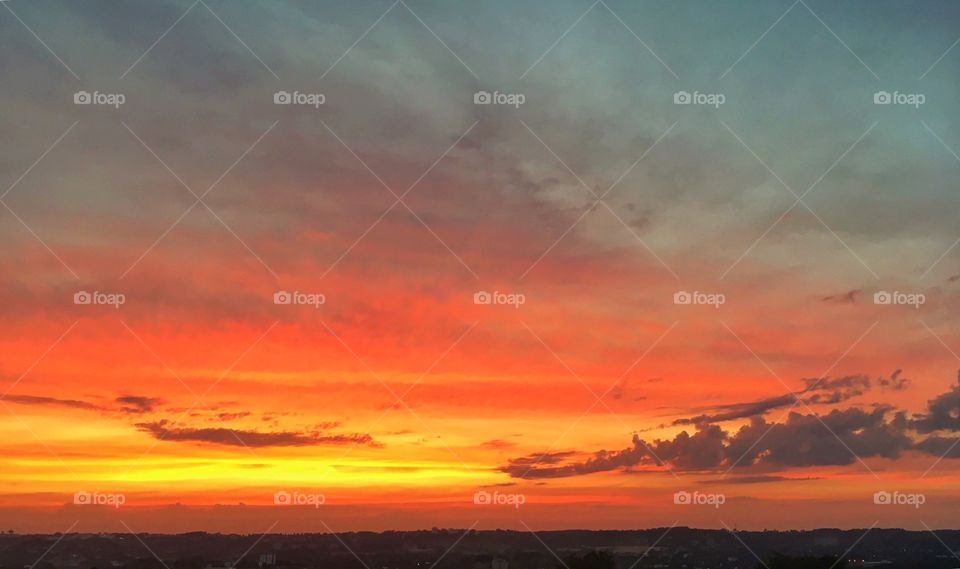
x=837 y=438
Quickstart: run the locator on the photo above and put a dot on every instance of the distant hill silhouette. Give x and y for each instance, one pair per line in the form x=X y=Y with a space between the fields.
x=660 y=548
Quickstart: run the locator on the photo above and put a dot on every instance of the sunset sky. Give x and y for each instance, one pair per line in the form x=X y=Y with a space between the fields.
x=596 y=396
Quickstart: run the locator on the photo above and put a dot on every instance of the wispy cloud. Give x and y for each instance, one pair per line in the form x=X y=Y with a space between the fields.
x=53 y=401
x=164 y=430
x=138 y=403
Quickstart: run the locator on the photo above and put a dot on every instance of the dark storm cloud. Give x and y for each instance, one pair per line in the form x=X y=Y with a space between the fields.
x=834 y=439
x=943 y=413
x=548 y=465
x=894 y=382
x=800 y=441
x=232 y=416
x=137 y=403
x=947 y=447
x=818 y=391
x=163 y=430
x=733 y=411
x=840 y=437
x=835 y=390
x=543 y=458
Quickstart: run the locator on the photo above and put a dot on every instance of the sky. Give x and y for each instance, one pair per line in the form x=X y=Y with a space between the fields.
x=412 y=264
